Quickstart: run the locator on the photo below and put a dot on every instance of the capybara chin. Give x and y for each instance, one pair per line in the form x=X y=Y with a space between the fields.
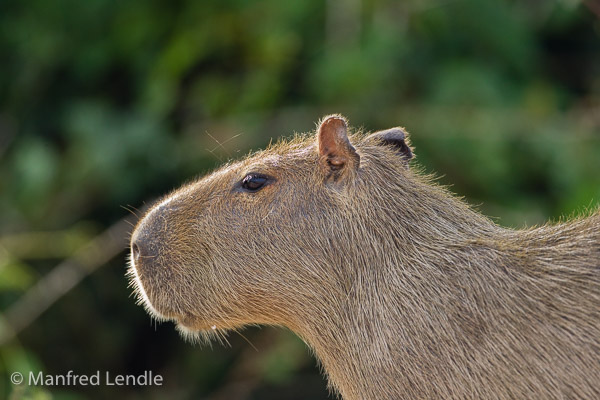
x=401 y=289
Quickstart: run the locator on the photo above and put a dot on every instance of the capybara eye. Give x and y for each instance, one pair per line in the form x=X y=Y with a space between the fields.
x=253 y=182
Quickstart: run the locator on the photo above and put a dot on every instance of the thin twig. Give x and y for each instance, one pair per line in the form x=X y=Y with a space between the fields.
x=64 y=277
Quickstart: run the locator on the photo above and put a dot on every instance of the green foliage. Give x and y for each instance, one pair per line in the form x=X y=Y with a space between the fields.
x=106 y=105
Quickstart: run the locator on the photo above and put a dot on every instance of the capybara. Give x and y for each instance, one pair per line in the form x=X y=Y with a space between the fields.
x=400 y=288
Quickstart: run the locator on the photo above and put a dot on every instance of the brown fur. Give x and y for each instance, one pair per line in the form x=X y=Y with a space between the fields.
x=401 y=289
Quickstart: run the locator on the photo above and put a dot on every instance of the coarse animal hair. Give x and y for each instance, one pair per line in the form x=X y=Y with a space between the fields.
x=400 y=288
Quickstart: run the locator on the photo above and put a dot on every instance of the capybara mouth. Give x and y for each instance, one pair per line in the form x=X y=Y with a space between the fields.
x=160 y=312
x=141 y=295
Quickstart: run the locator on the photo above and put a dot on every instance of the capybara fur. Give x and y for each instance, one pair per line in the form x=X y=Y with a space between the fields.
x=401 y=289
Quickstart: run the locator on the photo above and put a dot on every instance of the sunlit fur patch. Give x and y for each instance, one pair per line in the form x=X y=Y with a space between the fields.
x=205 y=337
x=201 y=337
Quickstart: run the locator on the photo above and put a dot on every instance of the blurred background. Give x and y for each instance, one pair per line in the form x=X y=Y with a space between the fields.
x=105 y=105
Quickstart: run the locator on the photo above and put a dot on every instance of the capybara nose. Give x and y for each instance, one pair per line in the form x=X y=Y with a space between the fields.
x=144 y=247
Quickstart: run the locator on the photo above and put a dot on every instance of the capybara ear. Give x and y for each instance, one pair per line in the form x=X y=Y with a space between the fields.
x=396 y=138
x=335 y=149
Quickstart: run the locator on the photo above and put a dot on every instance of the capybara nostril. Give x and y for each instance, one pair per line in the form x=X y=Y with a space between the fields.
x=135 y=252
x=144 y=246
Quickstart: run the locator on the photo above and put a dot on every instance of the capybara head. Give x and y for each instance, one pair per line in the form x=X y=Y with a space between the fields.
x=262 y=240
